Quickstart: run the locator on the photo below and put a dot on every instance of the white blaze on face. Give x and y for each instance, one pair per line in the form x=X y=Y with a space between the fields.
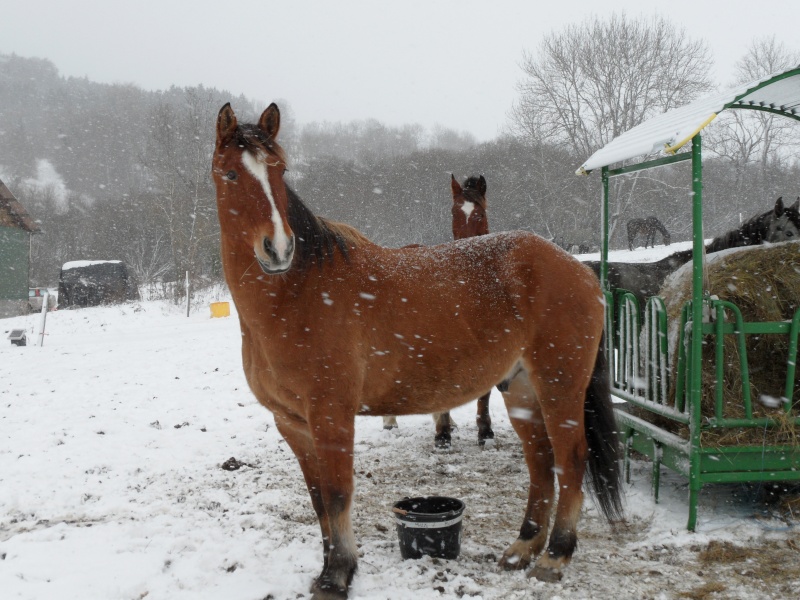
x=257 y=168
x=468 y=207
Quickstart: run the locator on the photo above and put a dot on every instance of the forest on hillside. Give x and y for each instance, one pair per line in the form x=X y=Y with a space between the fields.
x=117 y=172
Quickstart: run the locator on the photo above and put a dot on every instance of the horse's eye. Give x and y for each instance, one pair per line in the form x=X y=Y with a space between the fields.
x=231 y=175
x=789 y=234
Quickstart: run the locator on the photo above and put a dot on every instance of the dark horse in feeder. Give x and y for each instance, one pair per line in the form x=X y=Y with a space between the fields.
x=469 y=220
x=649 y=227
x=334 y=326
x=779 y=224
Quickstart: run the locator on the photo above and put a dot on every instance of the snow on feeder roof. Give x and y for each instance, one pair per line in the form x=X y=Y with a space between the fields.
x=778 y=93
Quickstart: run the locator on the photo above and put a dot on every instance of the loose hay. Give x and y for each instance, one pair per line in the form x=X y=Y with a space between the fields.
x=764 y=282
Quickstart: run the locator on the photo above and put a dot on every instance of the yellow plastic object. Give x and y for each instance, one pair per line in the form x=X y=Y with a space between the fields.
x=220 y=309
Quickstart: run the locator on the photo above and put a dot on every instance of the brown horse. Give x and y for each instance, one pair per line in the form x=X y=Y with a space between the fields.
x=335 y=326
x=469 y=220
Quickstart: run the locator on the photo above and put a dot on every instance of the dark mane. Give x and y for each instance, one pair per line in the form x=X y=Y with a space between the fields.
x=317 y=239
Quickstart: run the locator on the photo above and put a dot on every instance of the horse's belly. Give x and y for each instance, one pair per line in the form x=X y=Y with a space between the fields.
x=425 y=390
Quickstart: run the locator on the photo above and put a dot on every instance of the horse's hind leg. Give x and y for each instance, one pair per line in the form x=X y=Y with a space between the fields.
x=390 y=422
x=444 y=430
x=484 y=420
x=526 y=418
x=563 y=411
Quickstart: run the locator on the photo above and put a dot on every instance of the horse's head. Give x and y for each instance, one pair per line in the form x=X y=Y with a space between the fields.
x=469 y=207
x=252 y=199
x=784 y=225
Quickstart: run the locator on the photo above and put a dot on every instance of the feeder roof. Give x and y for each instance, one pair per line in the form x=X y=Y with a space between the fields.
x=778 y=93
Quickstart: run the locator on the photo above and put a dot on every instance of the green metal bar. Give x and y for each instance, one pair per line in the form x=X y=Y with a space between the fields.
x=747 y=422
x=741 y=342
x=667 y=439
x=604 y=232
x=791 y=362
x=749 y=328
x=656 y=476
x=609 y=336
x=741 y=476
x=680 y=371
x=719 y=364
x=695 y=365
x=626 y=458
x=760 y=85
x=663 y=353
x=759 y=450
x=658 y=162
x=768 y=110
x=664 y=411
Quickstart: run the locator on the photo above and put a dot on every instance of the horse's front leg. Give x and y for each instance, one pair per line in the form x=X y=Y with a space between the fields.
x=298 y=435
x=333 y=432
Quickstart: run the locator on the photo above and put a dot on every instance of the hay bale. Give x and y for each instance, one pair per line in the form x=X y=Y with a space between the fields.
x=764 y=283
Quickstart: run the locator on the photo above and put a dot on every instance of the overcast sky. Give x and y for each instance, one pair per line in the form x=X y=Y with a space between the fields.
x=449 y=62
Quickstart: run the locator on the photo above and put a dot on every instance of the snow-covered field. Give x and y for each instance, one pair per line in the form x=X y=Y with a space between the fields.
x=112 y=437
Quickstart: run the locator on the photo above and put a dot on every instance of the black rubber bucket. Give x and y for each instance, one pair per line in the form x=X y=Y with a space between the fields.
x=429 y=526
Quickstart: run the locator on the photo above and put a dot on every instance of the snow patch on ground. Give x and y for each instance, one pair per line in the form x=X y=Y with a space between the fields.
x=112 y=437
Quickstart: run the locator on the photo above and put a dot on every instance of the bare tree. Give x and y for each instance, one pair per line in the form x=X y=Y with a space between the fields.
x=747 y=137
x=177 y=156
x=593 y=81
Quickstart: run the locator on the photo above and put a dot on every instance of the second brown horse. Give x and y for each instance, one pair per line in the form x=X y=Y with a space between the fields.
x=469 y=220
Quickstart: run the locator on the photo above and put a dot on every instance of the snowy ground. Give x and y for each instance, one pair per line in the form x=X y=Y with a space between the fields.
x=112 y=437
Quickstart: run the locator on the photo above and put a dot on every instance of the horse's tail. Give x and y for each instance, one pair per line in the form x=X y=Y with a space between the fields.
x=605 y=475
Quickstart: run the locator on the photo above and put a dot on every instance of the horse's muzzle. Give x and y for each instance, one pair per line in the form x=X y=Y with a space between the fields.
x=275 y=261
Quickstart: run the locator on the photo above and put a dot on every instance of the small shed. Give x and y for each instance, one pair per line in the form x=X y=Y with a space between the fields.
x=16 y=229
x=85 y=283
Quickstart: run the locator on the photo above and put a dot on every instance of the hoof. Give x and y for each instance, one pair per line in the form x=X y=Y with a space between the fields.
x=485 y=436
x=545 y=574
x=442 y=441
x=324 y=590
x=328 y=595
x=513 y=562
x=389 y=427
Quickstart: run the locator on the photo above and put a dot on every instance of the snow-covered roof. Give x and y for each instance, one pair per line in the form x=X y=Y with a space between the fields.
x=75 y=264
x=668 y=132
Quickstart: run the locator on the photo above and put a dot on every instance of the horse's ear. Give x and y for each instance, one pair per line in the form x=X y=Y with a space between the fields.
x=482 y=186
x=226 y=124
x=779 y=207
x=270 y=121
x=455 y=186
x=796 y=205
